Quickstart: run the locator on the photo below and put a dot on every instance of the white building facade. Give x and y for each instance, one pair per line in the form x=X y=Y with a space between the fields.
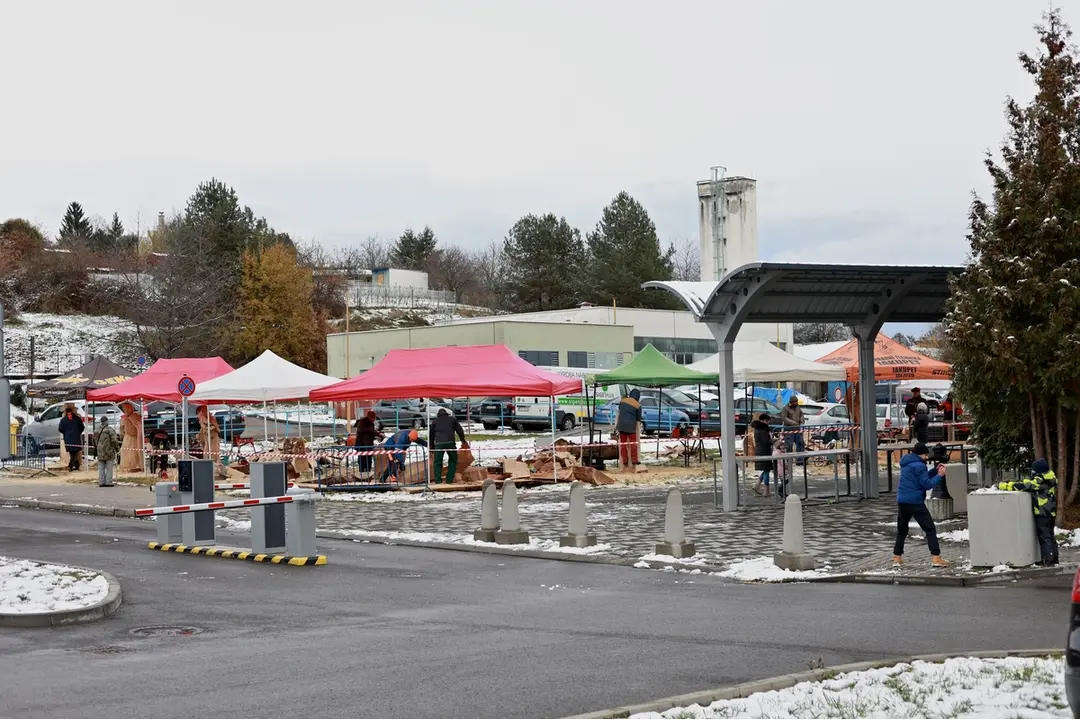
x=727 y=224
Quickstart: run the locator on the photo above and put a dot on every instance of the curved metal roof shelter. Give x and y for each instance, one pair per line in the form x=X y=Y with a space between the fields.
x=862 y=296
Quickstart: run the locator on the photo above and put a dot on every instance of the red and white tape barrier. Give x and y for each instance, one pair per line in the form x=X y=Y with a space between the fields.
x=222 y=505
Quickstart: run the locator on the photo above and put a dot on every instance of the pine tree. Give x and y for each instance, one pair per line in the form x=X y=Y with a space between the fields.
x=75 y=228
x=1014 y=322
x=214 y=211
x=625 y=252
x=413 y=251
x=275 y=310
x=116 y=228
x=539 y=261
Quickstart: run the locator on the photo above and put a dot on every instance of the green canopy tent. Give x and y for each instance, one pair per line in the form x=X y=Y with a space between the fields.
x=651 y=368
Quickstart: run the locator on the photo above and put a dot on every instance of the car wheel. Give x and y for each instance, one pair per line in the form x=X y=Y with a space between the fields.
x=568 y=422
x=491 y=426
x=518 y=427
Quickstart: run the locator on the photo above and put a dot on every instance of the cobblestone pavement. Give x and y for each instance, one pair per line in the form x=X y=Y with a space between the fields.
x=631 y=520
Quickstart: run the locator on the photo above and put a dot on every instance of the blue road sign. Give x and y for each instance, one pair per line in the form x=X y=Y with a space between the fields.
x=186 y=386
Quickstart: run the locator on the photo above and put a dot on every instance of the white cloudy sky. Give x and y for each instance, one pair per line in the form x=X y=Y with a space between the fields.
x=864 y=123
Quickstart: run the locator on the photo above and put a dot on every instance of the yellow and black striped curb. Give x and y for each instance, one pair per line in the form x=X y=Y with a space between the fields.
x=239 y=554
x=732 y=692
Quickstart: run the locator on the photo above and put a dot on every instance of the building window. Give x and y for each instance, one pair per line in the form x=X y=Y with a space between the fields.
x=676 y=346
x=577 y=359
x=541 y=358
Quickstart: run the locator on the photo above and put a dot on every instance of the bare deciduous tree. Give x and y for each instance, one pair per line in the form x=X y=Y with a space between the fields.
x=452 y=269
x=686 y=260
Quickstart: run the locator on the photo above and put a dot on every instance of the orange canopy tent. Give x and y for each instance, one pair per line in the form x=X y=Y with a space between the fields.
x=892 y=361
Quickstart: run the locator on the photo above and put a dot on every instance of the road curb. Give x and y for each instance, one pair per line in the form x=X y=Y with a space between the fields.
x=100 y=610
x=732 y=692
x=32 y=504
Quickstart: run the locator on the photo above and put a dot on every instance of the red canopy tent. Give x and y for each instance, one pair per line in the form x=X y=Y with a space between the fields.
x=449 y=372
x=159 y=381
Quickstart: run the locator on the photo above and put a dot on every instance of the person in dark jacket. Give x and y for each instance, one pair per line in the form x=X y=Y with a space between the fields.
x=71 y=430
x=921 y=424
x=1043 y=488
x=763 y=445
x=912 y=405
x=398 y=444
x=626 y=425
x=441 y=435
x=161 y=442
x=365 y=437
x=915 y=481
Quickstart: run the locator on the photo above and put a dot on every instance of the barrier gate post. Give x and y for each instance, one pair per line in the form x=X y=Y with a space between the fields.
x=195 y=479
x=300 y=523
x=268 y=479
x=169 y=527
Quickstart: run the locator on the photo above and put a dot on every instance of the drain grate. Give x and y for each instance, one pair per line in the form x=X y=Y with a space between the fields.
x=166 y=631
x=107 y=650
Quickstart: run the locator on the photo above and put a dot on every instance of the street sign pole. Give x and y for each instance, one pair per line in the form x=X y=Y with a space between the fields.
x=185 y=387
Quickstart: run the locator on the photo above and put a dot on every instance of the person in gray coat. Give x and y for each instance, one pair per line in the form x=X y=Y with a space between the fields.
x=108 y=447
x=626 y=425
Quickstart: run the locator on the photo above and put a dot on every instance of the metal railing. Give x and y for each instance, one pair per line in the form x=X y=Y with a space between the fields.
x=25 y=453
x=372 y=468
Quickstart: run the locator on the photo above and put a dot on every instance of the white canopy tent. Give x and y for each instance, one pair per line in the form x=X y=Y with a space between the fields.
x=267 y=378
x=761 y=361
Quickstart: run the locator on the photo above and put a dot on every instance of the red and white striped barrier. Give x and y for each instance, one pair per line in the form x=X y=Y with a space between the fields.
x=223 y=505
x=239 y=486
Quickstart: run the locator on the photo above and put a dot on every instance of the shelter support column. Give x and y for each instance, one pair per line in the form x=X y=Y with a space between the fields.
x=868 y=414
x=727 y=426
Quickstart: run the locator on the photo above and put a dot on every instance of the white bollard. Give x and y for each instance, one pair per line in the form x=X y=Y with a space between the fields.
x=577 y=535
x=510 y=532
x=489 y=512
x=793 y=556
x=675 y=543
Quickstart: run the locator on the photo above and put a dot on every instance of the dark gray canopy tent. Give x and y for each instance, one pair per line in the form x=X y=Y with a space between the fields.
x=100 y=372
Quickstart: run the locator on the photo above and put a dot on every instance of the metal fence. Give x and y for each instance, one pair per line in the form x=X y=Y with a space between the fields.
x=395 y=296
x=372 y=468
x=25 y=453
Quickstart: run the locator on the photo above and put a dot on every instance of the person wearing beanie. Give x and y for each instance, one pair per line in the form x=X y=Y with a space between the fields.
x=366 y=435
x=915 y=481
x=107 y=446
x=442 y=433
x=1043 y=489
x=398 y=445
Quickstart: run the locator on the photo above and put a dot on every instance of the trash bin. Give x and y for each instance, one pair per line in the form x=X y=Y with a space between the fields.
x=1001 y=527
x=940 y=508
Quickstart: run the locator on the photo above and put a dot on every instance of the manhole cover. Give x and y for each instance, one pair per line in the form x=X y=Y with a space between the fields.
x=107 y=650
x=167 y=631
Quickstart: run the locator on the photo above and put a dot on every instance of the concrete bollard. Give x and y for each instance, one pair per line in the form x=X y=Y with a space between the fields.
x=675 y=543
x=300 y=523
x=489 y=512
x=170 y=527
x=577 y=535
x=941 y=508
x=510 y=532
x=793 y=556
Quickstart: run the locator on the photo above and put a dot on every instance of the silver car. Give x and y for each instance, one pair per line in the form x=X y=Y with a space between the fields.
x=45 y=428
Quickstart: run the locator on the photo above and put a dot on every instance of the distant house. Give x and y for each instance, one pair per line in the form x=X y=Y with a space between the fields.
x=395 y=277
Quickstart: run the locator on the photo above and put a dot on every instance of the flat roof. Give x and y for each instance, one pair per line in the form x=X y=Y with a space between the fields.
x=483 y=321
x=810 y=292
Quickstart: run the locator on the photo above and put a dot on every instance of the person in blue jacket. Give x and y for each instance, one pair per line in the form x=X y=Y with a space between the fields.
x=915 y=481
x=398 y=444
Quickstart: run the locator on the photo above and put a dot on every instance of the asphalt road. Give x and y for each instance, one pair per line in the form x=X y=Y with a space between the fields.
x=410 y=632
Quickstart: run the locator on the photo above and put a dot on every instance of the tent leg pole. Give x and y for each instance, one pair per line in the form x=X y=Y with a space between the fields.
x=868 y=424
x=727 y=426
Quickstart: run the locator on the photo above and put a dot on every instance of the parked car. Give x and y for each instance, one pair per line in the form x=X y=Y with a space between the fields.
x=467 y=408
x=45 y=428
x=1072 y=650
x=746 y=409
x=497 y=412
x=653 y=417
x=826 y=414
x=403 y=413
x=890 y=418
x=230 y=421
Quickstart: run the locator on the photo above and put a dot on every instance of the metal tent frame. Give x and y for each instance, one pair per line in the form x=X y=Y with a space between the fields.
x=864 y=297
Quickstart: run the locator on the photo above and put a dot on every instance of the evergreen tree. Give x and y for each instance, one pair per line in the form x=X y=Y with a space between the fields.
x=75 y=228
x=539 y=258
x=116 y=229
x=625 y=252
x=1014 y=321
x=275 y=310
x=214 y=211
x=414 y=251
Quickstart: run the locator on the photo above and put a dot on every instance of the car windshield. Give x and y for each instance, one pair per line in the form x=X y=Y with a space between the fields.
x=679 y=397
x=882 y=410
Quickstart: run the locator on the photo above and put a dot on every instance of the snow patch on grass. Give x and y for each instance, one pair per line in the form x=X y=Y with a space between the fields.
x=957 y=688
x=31 y=587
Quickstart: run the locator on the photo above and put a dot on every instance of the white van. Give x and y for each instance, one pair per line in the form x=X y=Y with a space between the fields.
x=570 y=410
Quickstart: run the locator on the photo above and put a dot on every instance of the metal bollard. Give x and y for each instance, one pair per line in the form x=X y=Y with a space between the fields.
x=300 y=523
x=170 y=528
x=268 y=479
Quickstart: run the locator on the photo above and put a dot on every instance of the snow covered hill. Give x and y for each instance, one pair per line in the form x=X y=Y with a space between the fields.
x=62 y=341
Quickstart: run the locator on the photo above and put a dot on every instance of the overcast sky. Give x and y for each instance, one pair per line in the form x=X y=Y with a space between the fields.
x=864 y=123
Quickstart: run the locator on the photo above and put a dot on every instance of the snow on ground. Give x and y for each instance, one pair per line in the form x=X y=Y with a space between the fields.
x=959 y=687
x=762 y=569
x=1069 y=538
x=63 y=339
x=227 y=523
x=956 y=536
x=292 y=413
x=30 y=587
x=534 y=543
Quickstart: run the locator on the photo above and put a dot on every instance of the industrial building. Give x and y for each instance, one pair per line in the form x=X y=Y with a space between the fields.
x=554 y=344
